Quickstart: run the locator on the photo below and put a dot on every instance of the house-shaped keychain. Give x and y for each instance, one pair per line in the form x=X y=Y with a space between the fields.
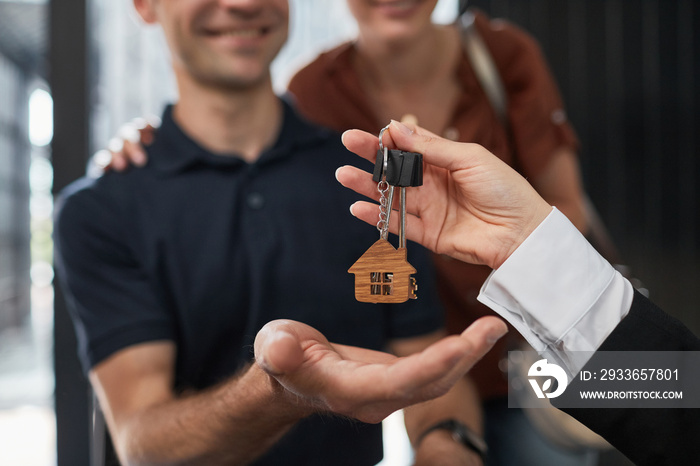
x=383 y=275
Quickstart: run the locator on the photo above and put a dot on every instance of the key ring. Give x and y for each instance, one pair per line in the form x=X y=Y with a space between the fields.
x=383 y=187
x=383 y=149
x=381 y=137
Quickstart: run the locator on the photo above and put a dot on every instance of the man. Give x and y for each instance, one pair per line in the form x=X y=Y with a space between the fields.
x=548 y=282
x=236 y=220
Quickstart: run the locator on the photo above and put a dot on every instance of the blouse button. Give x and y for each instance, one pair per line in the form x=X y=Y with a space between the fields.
x=256 y=201
x=558 y=116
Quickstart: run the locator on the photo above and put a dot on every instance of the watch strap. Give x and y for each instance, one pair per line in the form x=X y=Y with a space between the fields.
x=460 y=433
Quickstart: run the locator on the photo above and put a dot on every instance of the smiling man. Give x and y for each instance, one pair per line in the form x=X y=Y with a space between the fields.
x=173 y=268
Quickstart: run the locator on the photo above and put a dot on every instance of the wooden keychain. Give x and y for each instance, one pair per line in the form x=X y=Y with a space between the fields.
x=382 y=273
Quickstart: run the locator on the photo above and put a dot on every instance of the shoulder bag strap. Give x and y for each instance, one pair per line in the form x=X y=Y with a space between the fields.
x=484 y=67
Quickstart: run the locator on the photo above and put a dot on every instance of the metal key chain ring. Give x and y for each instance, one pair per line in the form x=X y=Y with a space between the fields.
x=383 y=187
x=383 y=149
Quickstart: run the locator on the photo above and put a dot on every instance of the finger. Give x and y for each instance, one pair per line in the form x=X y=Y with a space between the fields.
x=102 y=159
x=358 y=180
x=485 y=330
x=139 y=123
x=454 y=356
x=128 y=132
x=133 y=151
x=116 y=149
x=356 y=389
x=148 y=135
x=409 y=120
x=368 y=356
x=369 y=213
x=115 y=145
x=361 y=143
x=481 y=335
x=436 y=150
x=429 y=373
x=119 y=163
x=446 y=361
x=154 y=121
x=477 y=340
x=146 y=128
x=278 y=348
x=362 y=183
x=282 y=353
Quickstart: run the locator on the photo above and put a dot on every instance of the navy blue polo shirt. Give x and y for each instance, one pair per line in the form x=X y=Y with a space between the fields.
x=203 y=249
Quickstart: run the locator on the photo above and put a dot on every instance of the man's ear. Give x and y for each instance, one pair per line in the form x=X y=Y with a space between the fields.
x=146 y=10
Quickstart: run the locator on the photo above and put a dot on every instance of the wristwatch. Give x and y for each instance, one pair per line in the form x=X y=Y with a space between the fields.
x=460 y=433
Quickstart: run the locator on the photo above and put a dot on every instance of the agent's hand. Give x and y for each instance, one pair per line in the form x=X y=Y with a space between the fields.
x=472 y=206
x=364 y=384
x=127 y=148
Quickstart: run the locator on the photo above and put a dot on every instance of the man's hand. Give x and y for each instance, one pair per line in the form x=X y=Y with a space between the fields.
x=472 y=206
x=127 y=148
x=364 y=384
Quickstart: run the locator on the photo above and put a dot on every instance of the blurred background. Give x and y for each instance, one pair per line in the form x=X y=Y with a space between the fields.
x=72 y=72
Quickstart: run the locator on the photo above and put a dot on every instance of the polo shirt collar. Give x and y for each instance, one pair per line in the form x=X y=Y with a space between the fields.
x=174 y=151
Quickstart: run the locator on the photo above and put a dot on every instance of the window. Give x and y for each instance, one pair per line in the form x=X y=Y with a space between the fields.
x=381 y=283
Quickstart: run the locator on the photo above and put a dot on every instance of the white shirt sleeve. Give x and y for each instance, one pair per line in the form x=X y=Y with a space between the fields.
x=559 y=293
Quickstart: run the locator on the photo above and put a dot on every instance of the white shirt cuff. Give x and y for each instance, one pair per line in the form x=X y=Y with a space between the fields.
x=559 y=293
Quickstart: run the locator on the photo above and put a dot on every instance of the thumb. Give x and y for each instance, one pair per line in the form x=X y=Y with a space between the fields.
x=436 y=150
x=478 y=339
x=277 y=350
